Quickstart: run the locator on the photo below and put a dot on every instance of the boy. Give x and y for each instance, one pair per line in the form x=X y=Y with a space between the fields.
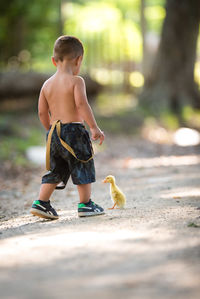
x=62 y=108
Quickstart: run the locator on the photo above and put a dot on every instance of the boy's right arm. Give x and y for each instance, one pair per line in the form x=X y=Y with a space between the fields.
x=43 y=110
x=85 y=110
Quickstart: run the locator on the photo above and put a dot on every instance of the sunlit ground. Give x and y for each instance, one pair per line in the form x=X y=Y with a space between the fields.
x=182 y=137
x=159 y=161
x=186 y=137
x=185 y=193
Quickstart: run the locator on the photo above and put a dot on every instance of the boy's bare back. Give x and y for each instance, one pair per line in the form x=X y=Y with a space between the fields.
x=59 y=92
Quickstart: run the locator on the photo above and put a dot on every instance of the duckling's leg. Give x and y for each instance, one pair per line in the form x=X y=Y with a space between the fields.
x=112 y=207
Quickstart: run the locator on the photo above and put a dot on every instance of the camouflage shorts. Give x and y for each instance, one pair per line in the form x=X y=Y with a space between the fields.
x=63 y=164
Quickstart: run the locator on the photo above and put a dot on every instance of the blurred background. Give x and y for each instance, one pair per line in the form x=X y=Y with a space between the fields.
x=141 y=67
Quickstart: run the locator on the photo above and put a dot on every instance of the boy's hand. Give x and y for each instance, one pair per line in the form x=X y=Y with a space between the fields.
x=97 y=134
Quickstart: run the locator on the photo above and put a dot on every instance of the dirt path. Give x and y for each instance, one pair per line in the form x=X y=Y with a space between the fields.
x=151 y=249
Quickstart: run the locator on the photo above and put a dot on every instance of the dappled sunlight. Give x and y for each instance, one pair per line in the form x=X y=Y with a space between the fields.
x=162 y=161
x=182 y=193
x=95 y=16
x=105 y=76
x=108 y=104
x=180 y=137
x=61 y=242
x=197 y=72
x=157 y=134
x=155 y=12
x=186 y=137
x=109 y=37
x=136 y=79
x=98 y=16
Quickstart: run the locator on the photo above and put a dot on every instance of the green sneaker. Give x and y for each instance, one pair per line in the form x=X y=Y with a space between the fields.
x=89 y=209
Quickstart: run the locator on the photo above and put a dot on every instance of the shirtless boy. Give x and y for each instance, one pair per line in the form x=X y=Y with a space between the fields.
x=63 y=107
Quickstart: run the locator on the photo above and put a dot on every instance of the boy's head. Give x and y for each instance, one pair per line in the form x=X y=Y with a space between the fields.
x=67 y=47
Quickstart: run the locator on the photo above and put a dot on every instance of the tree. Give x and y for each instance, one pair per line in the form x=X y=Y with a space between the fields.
x=29 y=25
x=171 y=83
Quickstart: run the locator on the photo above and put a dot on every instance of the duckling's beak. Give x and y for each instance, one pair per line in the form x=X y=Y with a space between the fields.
x=104 y=181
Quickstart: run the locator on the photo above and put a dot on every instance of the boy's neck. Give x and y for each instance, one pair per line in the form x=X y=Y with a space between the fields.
x=68 y=66
x=65 y=68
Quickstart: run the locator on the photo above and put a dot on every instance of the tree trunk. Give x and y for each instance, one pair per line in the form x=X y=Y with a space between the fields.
x=171 y=84
x=143 y=31
x=60 y=18
x=19 y=84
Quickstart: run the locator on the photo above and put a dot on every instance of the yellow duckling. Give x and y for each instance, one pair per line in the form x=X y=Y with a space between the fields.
x=117 y=195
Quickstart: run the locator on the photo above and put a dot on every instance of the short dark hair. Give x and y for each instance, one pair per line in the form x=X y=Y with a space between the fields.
x=67 y=46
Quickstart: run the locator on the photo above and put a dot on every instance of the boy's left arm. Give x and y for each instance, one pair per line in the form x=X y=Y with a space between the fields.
x=43 y=110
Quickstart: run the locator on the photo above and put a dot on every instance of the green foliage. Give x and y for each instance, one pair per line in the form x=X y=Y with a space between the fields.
x=109 y=29
x=154 y=16
x=169 y=120
x=107 y=37
x=17 y=138
x=27 y=25
x=118 y=113
x=109 y=104
x=191 y=116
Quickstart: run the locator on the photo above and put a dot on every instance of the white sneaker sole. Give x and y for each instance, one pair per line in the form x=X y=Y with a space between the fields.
x=41 y=214
x=86 y=214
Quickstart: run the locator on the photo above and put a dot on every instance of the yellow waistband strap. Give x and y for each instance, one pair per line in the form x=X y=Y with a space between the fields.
x=48 y=147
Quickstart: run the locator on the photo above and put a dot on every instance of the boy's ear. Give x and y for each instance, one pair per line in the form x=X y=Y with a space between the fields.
x=79 y=59
x=53 y=61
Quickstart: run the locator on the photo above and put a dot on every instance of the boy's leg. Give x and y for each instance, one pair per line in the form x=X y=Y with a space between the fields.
x=46 y=190
x=84 y=192
x=42 y=207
